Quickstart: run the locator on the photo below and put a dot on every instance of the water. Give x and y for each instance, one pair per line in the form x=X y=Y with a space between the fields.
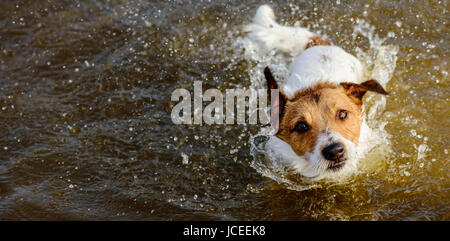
x=85 y=112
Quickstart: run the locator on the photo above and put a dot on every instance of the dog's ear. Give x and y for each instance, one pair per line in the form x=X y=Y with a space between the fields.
x=356 y=91
x=278 y=99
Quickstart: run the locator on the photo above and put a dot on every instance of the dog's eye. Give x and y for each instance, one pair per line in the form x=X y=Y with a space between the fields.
x=342 y=114
x=302 y=127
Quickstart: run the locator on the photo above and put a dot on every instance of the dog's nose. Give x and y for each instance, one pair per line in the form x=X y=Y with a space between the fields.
x=334 y=151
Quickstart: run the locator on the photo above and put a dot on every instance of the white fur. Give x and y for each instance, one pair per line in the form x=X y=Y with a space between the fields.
x=318 y=63
x=312 y=164
x=315 y=64
x=322 y=63
x=264 y=30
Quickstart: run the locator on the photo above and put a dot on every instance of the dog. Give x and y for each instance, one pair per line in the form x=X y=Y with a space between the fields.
x=319 y=108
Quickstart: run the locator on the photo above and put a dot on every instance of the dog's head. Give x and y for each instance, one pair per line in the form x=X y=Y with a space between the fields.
x=321 y=123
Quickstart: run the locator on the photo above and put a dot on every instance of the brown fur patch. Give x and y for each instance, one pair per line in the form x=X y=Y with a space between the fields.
x=318 y=107
x=315 y=41
x=357 y=91
x=277 y=105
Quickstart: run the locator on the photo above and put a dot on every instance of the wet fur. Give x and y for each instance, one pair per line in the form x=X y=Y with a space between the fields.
x=324 y=80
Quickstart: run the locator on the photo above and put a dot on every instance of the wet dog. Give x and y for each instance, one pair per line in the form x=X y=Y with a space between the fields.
x=319 y=108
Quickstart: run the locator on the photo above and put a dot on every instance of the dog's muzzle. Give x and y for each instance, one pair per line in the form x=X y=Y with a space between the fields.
x=335 y=153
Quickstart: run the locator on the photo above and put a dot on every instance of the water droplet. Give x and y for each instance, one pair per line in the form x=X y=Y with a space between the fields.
x=185 y=158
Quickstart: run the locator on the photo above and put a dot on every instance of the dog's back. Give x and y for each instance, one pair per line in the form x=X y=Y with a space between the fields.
x=316 y=60
x=321 y=63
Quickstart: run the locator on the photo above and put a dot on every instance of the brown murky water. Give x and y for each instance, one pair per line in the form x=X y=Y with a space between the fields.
x=85 y=112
